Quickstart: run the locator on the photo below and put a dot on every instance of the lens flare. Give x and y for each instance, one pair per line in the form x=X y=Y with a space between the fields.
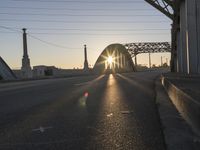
x=86 y=94
x=83 y=100
x=110 y=59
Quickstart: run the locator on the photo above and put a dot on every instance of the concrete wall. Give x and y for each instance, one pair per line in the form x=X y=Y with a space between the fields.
x=198 y=32
x=188 y=43
x=183 y=47
x=187 y=106
x=5 y=71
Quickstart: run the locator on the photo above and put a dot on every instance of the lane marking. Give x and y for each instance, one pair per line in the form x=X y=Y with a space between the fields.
x=84 y=83
x=89 y=82
x=41 y=129
x=126 y=112
x=109 y=115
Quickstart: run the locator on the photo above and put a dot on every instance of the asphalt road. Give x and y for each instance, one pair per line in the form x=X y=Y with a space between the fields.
x=94 y=112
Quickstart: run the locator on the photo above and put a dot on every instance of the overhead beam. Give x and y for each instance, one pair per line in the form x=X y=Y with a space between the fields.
x=169 y=2
x=148 y=47
x=163 y=8
x=166 y=6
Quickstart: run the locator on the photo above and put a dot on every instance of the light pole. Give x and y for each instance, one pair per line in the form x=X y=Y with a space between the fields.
x=149 y=60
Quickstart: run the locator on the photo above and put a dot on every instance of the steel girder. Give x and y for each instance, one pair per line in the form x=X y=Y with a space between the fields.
x=165 y=6
x=150 y=47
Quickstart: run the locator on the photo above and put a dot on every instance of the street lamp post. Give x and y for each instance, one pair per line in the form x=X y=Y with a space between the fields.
x=149 y=60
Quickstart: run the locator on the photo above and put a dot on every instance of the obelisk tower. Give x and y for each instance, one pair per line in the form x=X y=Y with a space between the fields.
x=86 y=61
x=26 y=68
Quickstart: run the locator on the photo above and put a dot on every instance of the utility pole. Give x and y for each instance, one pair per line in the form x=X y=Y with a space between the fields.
x=135 y=53
x=135 y=61
x=149 y=60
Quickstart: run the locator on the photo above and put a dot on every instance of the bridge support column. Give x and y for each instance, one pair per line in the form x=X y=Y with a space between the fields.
x=198 y=32
x=191 y=36
x=182 y=50
x=179 y=63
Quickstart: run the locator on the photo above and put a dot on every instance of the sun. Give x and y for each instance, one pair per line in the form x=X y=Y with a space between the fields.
x=110 y=59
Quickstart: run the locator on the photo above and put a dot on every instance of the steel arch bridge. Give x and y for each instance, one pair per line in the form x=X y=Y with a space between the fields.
x=120 y=60
x=121 y=56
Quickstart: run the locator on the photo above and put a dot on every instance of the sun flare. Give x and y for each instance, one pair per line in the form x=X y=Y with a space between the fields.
x=110 y=59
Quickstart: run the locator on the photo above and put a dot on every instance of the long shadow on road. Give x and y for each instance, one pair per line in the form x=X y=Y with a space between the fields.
x=109 y=112
x=66 y=117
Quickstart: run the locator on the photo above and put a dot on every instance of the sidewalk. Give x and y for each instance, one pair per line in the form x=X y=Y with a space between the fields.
x=179 y=135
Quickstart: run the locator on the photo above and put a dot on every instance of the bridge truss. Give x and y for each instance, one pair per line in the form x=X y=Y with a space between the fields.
x=171 y=8
x=165 y=6
x=150 y=47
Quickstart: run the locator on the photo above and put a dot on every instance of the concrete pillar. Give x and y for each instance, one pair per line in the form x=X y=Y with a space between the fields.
x=179 y=54
x=182 y=39
x=191 y=36
x=174 y=59
x=198 y=32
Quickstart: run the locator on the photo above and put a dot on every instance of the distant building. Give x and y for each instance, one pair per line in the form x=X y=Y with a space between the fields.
x=42 y=71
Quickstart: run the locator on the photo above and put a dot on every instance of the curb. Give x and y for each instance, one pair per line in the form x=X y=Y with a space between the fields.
x=188 y=107
x=177 y=133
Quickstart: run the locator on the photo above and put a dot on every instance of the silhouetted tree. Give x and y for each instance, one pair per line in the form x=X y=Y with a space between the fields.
x=165 y=65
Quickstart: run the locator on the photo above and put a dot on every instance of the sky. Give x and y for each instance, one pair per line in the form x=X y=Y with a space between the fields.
x=58 y=29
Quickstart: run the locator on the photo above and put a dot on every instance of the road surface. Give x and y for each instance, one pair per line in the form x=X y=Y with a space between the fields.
x=94 y=112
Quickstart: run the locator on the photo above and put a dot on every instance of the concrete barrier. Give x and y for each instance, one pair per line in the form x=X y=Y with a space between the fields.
x=5 y=72
x=187 y=106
